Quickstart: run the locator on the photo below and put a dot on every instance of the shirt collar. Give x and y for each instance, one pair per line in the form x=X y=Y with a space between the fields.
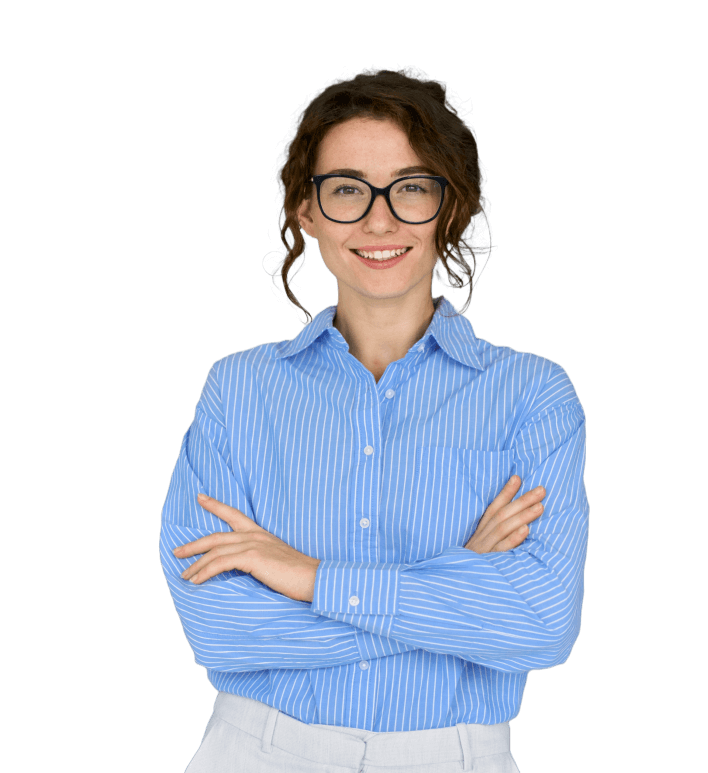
x=454 y=335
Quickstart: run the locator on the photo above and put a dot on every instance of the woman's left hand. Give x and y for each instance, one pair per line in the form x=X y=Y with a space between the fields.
x=249 y=548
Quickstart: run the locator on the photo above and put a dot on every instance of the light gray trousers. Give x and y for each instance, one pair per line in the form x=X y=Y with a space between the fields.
x=247 y=736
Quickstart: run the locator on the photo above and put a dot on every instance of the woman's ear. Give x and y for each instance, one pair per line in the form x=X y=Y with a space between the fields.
x=305 y=218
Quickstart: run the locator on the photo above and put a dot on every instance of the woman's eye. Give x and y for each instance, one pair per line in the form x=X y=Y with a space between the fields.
x=346 y=189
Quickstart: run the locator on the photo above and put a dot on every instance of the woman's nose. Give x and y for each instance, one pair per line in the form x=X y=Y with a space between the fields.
x=380 y=209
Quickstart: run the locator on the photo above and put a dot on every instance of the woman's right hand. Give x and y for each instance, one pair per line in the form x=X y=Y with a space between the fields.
x=504 y=523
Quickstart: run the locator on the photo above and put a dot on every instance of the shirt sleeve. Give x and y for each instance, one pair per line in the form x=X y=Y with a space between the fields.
x=232 y=621
x=512 y=611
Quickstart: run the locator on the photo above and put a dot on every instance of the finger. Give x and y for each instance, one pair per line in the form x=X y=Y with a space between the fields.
x=528 y=499
x=199 y=570
x=203 y=544
x=502 y=517
x=505 y=495
x=532 y=496
x=501 y=500
x=208 y=557
x=512 y=541
x=217 y=564
x=506 y=527
x=221 y=509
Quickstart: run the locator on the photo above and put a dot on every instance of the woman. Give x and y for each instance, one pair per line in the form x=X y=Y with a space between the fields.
x=362 y=585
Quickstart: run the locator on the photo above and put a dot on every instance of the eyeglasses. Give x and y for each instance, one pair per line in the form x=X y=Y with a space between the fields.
x=346 y=199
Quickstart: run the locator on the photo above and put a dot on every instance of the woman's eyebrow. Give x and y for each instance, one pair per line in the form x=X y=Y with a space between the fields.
x=398 y=173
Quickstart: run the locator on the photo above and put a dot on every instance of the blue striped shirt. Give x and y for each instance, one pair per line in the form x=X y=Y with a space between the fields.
x=384 y=482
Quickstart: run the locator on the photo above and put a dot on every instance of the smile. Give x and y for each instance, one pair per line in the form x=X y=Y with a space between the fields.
x=381 y=254
x=378 y=259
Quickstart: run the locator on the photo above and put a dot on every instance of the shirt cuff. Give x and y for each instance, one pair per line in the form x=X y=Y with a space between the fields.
x=356 y=588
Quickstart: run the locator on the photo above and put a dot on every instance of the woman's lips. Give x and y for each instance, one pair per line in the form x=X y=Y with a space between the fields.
x=385 y=262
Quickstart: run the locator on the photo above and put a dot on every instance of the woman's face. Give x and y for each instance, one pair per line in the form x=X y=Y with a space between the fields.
x=379 y=152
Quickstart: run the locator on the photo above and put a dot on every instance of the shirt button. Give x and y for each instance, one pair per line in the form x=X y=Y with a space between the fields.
x=363 y=665
x=364 y=522
x=421 y=348
x=390 y=393
x=353 y=600
x=369 y=450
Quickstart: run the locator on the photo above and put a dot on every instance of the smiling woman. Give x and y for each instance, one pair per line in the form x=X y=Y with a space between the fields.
x=404 y=116
x=369 y=133
x=353 y=535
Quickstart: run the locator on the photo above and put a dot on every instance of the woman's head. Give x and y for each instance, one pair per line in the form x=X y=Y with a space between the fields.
x=385 y=107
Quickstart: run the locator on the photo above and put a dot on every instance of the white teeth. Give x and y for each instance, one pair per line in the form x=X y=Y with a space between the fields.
x=381 y=255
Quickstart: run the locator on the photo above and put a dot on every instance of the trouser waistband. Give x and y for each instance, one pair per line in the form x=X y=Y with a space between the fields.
x=463 y=742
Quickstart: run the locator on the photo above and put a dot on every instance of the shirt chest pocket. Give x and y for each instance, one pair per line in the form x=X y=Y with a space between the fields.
x=453 y=488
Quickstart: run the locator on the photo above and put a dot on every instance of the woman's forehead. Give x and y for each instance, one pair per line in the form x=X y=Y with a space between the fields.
x=365 y=145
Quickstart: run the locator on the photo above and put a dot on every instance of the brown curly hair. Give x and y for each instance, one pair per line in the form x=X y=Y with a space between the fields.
x=438 y=136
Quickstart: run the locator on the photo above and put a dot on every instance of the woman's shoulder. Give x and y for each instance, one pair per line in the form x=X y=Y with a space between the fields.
x=496 y=357
x=540 y=379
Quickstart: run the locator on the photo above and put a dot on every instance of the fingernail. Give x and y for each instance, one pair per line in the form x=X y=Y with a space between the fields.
x=203 y=497
x=538 y=489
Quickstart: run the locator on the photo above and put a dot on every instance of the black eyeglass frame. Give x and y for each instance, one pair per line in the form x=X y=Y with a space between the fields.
x=385 y=192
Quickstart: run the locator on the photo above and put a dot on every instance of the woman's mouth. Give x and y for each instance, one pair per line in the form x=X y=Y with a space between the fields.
x=381 y=254
x=382 y=258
